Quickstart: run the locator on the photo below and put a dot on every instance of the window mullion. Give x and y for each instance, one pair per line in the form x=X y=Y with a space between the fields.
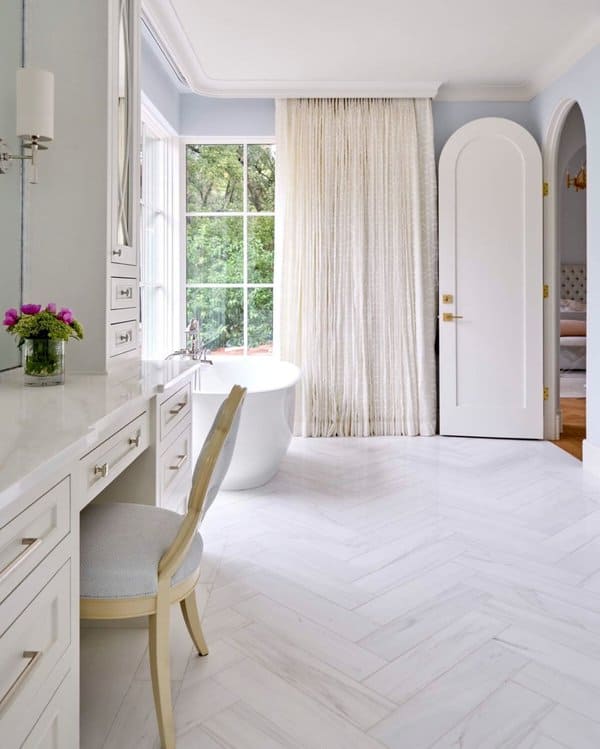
x=245 y=219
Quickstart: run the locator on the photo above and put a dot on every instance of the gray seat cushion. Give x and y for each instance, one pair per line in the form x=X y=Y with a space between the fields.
x=121 y=545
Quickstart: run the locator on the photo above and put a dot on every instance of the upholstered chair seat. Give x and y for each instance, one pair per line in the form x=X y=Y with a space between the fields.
x=121 y=546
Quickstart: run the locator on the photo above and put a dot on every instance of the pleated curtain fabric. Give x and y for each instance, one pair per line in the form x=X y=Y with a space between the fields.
x=356 y=275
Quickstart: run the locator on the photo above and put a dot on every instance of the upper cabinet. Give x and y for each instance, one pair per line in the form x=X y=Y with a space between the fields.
x=81 y=247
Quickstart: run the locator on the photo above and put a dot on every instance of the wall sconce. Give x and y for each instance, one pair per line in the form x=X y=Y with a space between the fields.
x=579 y=181
x=35 y=117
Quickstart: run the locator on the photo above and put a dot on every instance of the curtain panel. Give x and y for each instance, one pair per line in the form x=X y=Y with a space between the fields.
x=356 y=274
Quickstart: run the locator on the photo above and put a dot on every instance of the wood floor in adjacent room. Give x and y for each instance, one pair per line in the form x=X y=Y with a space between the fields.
x=404 y=593
x=573 y=422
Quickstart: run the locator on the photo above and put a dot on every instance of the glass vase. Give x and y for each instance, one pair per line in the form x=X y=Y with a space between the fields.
x=44 y=361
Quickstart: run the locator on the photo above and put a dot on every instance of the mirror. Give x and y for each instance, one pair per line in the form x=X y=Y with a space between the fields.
x=11 y=185
x=124 y=198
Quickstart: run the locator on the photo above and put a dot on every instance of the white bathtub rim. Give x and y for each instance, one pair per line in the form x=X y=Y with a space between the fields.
x=290 y=381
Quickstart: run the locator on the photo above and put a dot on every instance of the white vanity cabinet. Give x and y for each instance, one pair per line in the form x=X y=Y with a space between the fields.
x=38 y=608
x=124 y=436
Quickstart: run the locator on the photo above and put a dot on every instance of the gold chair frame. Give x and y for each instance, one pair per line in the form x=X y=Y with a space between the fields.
x=157 y=607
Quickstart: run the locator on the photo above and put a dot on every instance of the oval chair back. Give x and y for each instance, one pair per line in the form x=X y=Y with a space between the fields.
x=209 y=472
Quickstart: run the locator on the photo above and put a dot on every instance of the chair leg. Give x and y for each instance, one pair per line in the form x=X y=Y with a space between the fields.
x=189 y=609
x=161 y=676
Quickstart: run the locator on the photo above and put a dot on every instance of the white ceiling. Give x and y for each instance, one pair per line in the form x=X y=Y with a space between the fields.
x=471 y=49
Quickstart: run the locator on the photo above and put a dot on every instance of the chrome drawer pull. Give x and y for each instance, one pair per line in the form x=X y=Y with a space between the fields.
x=179 y=407
x=128 y=292
x=32 y=658
x=118 y=252
x=181 y=460
x=101 y=470
x=31 y=544
x=136 y=440
x=126 y=337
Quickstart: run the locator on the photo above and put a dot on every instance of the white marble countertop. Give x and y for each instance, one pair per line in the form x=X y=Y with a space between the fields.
x=41 y=426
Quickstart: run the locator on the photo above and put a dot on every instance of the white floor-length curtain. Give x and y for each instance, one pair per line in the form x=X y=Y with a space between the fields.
x=357 y=263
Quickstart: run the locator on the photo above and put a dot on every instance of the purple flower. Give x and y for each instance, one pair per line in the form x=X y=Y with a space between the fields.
x=31 y=309
x=10 y=317
x=51 y=307
x=66 y=315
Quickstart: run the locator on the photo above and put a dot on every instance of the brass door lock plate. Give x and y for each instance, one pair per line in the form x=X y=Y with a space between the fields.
x=447 y=298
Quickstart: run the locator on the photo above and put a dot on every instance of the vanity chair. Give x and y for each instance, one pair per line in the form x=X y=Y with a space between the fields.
x=136 y=560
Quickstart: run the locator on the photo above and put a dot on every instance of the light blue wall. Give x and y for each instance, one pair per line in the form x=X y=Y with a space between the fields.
x=448 y=116
x=158 y=85
x=206 y=116
x=582 y=83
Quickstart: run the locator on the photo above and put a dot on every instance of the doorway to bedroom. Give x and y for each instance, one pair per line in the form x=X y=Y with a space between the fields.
x=571 y=246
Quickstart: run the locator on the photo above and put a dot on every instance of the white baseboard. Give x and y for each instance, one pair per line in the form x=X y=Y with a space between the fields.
x=591 y=457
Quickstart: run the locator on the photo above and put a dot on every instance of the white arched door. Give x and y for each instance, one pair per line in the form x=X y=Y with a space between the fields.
x=491 y=282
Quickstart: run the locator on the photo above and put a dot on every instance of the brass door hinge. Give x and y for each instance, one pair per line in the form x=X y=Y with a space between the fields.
x=546 y=393
x=545 y=189
x=546 y=291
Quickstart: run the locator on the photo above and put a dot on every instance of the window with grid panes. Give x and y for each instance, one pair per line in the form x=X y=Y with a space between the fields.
x=230 y=240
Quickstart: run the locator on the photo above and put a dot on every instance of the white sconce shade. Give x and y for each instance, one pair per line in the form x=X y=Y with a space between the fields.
x=35 y=103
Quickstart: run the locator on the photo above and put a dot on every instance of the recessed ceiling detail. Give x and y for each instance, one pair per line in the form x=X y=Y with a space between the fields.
x=465 y=49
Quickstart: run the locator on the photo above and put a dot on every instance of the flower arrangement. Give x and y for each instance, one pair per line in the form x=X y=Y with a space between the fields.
x=47 y=323
x=43 y=333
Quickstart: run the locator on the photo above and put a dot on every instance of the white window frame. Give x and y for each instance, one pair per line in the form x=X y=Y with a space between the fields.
x=260 y=140
x=161 y=284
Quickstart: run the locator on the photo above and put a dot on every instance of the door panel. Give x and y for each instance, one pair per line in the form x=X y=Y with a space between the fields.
x=490 y=197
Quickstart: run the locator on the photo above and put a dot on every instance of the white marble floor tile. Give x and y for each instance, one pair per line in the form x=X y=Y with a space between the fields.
x=503 y=720
x=339 y=693
x=318 y=609
x=433 y=711
x=414 y=670
x=571 y=729
x=332 y=649
x=552 y=655
x=416 y=592
x=297 y=715
x=109 y=660
x=404 y=633
x=199 y=700
x=383 y=592
x=240 y=727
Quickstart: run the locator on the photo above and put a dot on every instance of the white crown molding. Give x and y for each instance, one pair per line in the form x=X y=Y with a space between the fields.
x=485 y=92
x=165 y=20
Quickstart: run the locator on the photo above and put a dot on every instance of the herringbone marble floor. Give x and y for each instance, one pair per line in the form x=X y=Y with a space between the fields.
x=404 y=593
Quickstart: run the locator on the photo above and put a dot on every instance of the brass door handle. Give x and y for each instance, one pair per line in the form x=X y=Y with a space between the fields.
x=448 y=317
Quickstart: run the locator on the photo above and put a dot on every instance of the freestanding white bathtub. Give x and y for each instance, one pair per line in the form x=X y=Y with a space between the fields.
x=267 y=418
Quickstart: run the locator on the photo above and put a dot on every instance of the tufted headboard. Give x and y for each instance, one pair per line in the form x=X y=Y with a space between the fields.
x=573 y=282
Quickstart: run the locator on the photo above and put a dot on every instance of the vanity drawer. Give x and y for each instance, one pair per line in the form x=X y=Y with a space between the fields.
x=32 y=645
x=176 y=462
x=123 y=255
x=31 y=535
x=56 y=727
x=110 y=458
x=174 y=410
x=123 y=336
x=123 y=293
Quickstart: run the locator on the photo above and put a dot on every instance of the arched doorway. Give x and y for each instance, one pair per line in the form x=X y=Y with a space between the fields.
x=565 y=276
